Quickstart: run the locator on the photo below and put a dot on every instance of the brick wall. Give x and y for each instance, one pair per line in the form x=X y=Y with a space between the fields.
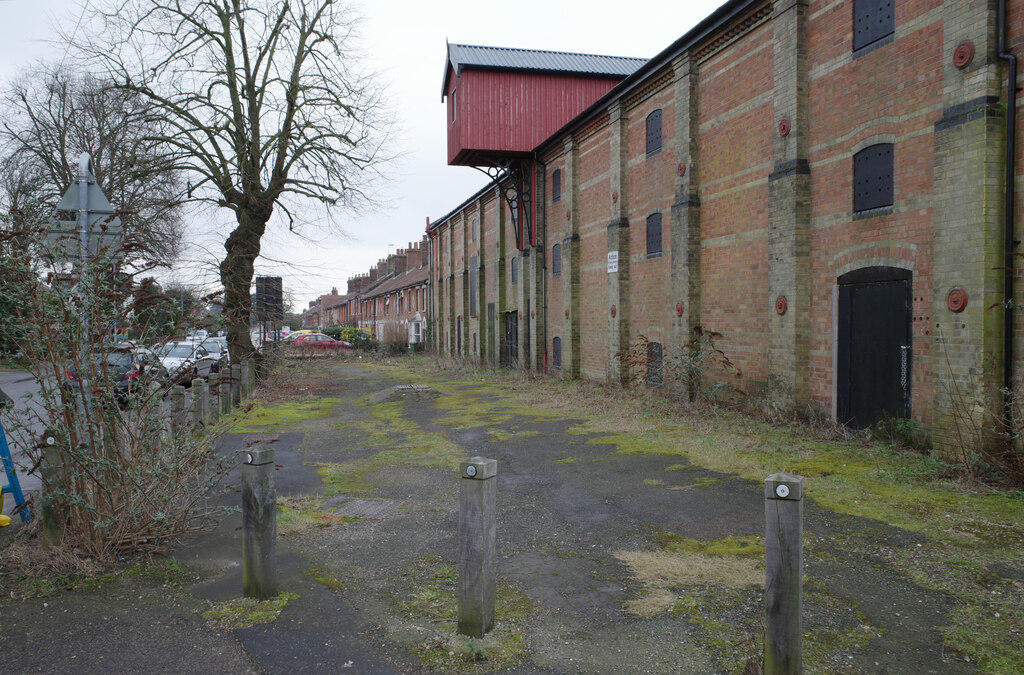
x=752 y=214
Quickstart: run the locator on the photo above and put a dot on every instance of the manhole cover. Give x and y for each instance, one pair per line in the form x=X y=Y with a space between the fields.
x=365 y=508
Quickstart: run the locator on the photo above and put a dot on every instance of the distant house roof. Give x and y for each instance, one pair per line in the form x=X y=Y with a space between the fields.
x=398 y=282
x=537 y=60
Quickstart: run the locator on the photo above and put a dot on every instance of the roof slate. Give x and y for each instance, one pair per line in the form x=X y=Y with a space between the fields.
x=507 y=58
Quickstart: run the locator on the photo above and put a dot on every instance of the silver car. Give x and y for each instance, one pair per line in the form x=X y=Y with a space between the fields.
x=186 y=361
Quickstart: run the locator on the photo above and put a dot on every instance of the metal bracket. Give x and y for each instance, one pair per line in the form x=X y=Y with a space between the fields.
x=515 y=188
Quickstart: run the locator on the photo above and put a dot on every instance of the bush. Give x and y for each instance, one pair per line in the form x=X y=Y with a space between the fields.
x=114 y=479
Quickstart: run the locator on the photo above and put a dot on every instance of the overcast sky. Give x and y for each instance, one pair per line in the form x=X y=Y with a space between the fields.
x=405 y=41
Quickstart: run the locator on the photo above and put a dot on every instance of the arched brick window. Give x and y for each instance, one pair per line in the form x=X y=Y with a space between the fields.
x=654 y=132
x=556 y=260
x=556 y=353
x=654 y=364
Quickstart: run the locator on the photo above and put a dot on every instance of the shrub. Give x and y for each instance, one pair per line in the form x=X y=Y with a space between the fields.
x=114 y=479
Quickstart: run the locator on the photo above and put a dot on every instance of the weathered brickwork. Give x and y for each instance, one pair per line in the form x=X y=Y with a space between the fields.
x=761 y=121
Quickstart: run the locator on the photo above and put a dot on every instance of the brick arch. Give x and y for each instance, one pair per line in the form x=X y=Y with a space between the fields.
x=903 y=256
x=873 y=139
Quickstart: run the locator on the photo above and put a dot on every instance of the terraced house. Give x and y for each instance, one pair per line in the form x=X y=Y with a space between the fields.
x=829 y=185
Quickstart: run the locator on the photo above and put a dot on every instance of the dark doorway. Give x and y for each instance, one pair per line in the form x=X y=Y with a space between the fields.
x=490 y=332
x=512 y=339
x=874 y=343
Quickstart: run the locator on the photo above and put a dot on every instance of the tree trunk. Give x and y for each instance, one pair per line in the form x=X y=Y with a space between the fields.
x=236 y=272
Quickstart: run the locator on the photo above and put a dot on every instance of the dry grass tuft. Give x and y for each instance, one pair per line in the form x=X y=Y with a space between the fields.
x=662 y=571
x=666 y=569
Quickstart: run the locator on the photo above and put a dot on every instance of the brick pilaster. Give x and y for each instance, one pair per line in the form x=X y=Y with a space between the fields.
x=686 y=234
x=618 y=243
x=968 y=221
x=789 y=246
x=571 y=263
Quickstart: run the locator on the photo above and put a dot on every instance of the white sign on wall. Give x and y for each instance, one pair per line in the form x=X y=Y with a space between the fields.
x=613 y=262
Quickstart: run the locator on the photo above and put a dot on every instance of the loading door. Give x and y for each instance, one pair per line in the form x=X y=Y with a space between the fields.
x=874 y=341
x=512 y=339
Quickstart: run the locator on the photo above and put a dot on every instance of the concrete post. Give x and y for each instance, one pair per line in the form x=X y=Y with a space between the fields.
x=783 y=528
x=225 y=392
x=188 y=415
x=236 y=384
x=198 y=414
x=246 y=390
x=213 y=409
x=177 y=398
x=259 y=523
x=477 y=489
x=204 y=403
x=252 y=376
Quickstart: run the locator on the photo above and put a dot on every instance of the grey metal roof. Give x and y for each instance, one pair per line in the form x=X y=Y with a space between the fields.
x=507 y=58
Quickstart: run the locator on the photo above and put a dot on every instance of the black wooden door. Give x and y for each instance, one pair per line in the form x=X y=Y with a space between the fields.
x=874 y=340
x=512 y=339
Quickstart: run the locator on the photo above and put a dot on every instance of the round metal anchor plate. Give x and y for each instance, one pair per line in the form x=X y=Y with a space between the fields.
x=782 y=490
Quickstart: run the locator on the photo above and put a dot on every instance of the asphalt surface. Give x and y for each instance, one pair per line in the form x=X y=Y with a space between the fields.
x=560 y=525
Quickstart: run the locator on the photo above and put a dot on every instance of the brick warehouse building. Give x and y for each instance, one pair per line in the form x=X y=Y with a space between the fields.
x=823 y=183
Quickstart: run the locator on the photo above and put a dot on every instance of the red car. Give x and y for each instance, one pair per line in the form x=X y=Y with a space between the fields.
x=318 y=342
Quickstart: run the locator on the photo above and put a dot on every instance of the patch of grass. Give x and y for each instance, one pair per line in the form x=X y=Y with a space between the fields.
x=246 y=612
x=432 y=600
x=327 y=578
x=162 y=571
x=653 y=482
x=567 y=460
x=299 y=515
x=678 y=467
x=285 y=415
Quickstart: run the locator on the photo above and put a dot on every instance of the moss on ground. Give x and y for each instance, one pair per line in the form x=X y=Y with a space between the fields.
x=246 y=612
x=432 y=600
x=285 y=415
x=967 y=527
x=394 y=440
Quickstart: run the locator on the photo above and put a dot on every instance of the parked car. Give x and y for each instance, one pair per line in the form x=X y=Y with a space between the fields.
x=294 y=334
x=128 y=367
x=317 y=342
x=218 y=348
x=186 y=361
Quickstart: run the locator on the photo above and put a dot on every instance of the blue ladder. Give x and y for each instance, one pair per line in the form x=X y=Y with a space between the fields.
x=13 y=486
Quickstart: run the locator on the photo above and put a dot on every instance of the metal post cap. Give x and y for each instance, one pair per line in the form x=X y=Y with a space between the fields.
x=258 y=454
x=786 y=486
x=478 y=468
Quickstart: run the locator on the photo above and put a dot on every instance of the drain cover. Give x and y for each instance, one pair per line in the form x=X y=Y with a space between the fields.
x=371 y=509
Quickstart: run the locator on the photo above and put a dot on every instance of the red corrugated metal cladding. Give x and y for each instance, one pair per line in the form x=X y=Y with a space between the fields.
x=501 y=114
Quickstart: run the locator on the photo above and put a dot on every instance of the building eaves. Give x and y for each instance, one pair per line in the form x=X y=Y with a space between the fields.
x=726 y=13
x=535 y=60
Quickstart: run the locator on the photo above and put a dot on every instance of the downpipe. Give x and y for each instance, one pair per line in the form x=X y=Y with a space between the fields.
x=1008 y=213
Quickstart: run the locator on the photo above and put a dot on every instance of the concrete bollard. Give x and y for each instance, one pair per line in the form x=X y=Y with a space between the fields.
x=188 y=414
x=252 y=376
x=236 y=384
x=477 y=489
x=783 y=530
x=246 y=390
x=177 y=397
x=197 y=409
x=259 y=523
x=213 y=409
x=225 y=392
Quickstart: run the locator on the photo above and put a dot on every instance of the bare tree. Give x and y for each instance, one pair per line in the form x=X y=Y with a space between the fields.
x=53 y=115
x=265 y=106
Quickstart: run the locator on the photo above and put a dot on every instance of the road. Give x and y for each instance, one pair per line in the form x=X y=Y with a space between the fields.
x=17 y=384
